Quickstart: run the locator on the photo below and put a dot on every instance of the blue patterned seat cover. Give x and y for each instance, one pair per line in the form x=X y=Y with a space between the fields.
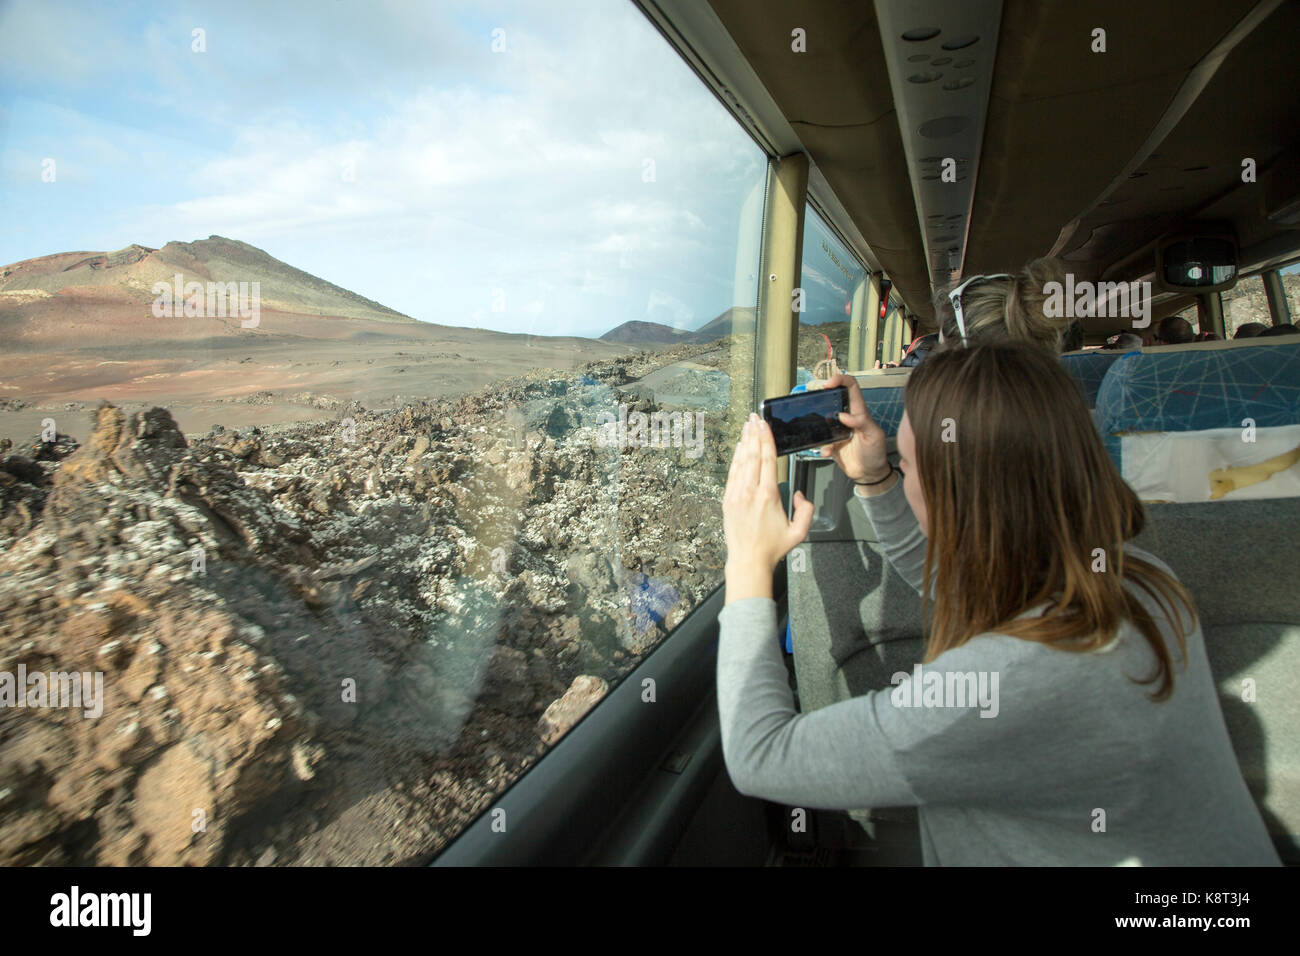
x=886 y=404
x=1089 y=369
x=1195 y=389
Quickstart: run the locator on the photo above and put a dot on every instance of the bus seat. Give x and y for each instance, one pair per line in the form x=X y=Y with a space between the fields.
x=1088 y=368
x=1189 y=423
x=854 y=622
x=1251 y=621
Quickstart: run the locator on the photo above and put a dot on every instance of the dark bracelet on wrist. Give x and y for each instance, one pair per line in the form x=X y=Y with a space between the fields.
x=868 y=484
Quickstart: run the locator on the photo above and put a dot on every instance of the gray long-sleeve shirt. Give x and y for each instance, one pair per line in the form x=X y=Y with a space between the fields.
x=1013 y=752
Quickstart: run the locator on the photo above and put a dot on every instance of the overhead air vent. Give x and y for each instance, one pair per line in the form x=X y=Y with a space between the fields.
x=941 y=113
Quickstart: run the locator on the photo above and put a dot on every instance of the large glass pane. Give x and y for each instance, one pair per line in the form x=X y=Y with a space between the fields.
x=828 y=279
x=423 y=334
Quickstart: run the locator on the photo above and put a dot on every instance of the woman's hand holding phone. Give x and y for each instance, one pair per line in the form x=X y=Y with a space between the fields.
x=864 y=456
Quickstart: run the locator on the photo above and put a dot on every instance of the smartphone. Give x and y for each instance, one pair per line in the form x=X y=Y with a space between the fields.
x=807 y=419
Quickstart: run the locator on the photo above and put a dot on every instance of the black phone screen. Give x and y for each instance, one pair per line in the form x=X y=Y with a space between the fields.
x=807 y=419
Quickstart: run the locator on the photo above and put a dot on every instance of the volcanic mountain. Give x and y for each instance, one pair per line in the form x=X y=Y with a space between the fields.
x=81 y=327
x=734 y=321
x=118 y=286
x=637 y=332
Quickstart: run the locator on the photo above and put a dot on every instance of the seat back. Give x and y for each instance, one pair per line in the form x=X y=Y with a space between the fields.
x=854 y=622
x=1250 y=618
x=1089 y=368
x=1190 y=423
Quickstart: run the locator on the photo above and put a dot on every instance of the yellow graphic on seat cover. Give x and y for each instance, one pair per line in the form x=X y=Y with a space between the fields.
x=1224 y=480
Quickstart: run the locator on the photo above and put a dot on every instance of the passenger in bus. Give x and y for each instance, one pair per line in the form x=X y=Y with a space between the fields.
x=1175 y=330
x=1285 y=328
x=1064 y=711
x=1248 y=330
x=998 y=307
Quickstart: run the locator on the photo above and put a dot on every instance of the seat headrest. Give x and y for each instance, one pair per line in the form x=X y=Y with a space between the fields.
x=1190 y=389
x=1089 y=369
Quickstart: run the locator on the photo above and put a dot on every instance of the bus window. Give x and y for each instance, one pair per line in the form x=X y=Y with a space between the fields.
x=1290 y=276
x=1245 y=302
x=829 y=277
x=423 y=375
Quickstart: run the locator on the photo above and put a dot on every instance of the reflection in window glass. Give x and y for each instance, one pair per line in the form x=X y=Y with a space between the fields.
x=1245 y=302
x=829 y=277
x=421 y=367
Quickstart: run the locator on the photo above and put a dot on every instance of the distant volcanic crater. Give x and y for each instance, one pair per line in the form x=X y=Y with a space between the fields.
x=134 y=273
x=734 y=321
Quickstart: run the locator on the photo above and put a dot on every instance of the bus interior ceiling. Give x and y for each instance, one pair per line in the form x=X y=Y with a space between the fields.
x=1088 y=146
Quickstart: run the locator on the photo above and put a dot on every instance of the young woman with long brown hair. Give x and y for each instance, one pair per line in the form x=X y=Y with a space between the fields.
x=1064 y=711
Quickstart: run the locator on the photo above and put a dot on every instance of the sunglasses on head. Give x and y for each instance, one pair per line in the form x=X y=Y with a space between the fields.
x=955 y=298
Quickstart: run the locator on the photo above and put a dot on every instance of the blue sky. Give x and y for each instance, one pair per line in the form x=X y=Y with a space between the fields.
x=512 y=179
